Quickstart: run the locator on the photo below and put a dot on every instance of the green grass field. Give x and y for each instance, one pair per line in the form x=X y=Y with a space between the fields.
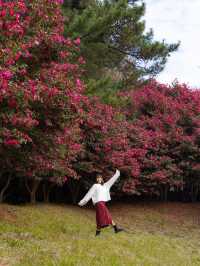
x=159 y=234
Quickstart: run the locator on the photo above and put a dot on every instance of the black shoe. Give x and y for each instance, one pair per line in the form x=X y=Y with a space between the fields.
x=98 y=232
x=117 y=229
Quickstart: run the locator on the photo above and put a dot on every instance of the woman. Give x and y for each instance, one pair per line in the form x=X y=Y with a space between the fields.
x=100 y=193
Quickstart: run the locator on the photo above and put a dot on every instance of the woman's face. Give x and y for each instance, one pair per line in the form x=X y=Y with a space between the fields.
x=99 y=179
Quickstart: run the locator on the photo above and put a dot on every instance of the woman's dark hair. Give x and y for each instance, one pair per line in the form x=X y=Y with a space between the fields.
x=100 y=176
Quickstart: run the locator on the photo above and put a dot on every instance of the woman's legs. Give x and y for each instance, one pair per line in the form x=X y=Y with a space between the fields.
x=116 y=228
x=113 y=223
x=104 y=218
x=98 y=231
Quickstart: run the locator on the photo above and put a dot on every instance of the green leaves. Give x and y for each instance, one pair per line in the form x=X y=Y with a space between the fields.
x=113 y=40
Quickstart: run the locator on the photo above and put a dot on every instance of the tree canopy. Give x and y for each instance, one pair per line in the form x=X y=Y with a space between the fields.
x=119 y=52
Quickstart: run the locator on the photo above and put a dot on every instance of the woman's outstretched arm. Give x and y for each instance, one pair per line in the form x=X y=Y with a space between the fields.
x=87 y=197
x=112 y=180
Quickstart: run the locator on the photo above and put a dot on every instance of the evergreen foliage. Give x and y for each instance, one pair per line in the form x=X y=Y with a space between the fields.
x=118 y=51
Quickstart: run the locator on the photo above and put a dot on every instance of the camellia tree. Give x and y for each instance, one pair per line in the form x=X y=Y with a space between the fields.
x=40 y=95
x=107 y=145
x=165 y=125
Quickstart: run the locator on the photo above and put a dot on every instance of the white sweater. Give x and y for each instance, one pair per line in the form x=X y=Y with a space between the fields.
x=100 y=192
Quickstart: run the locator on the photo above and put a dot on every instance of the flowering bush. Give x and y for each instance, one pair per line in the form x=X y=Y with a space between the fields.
x=40 y=92
x=164 y=123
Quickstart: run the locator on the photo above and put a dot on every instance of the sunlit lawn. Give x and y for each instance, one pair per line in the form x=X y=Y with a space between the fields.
x=158 y=234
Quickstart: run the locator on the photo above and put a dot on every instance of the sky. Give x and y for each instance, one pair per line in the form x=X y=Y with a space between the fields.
x=174 y=21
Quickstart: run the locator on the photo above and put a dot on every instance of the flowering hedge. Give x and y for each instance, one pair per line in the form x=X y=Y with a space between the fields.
x=164 y=123
x=154 y=141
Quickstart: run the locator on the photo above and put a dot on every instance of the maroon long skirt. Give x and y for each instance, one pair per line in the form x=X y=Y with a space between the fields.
x=103 y=216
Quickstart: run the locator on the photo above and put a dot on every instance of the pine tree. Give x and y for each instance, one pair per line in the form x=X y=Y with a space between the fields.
x=118 y=52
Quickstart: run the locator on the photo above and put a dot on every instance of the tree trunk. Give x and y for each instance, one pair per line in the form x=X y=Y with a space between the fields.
x=74 y=186
x=33 y=189
x=5 y=188
x=46 y=191
x=194 y=192
x=161 y=193
x=166 y=188
x=32 y=197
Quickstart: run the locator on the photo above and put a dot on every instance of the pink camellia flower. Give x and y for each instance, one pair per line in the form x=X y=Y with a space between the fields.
x=59 y=1
x=17 y=56
x=81 y=60
x=36 y=42
x=3 y=13
x=77 y=41
x=10 y=62
x=11 y=12
x=76 y=146
x=6 y=74
x=11 y=142
x=65 y=178
x=78 y=83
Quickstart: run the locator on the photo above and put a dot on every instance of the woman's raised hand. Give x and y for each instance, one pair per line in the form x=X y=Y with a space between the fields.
x=117 y=171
